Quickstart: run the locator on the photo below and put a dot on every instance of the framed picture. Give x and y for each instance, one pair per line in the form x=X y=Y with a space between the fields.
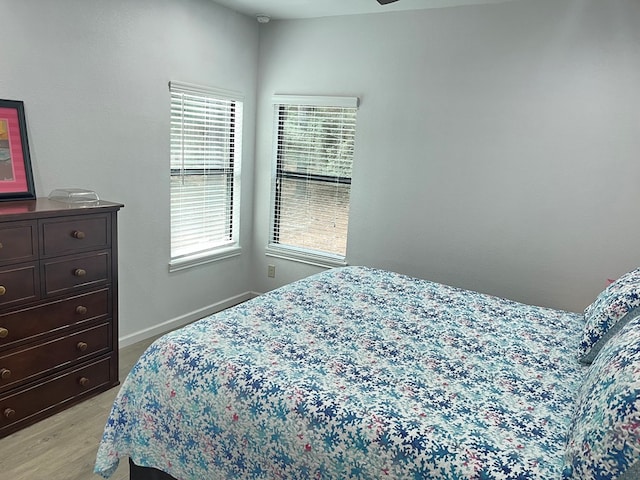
x=16 y=178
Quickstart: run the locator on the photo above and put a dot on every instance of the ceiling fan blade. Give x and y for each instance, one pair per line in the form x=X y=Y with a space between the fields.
x=384 y=2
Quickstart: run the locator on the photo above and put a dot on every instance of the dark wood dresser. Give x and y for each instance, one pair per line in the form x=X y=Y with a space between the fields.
x=58 y=307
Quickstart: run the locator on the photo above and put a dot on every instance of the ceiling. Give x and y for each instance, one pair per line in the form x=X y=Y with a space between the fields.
x=289 y=9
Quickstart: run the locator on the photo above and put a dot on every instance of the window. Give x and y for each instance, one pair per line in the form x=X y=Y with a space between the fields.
x=205 y=166
x=314 y=149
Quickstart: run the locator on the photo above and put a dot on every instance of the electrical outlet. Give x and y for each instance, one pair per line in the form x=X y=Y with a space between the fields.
x=271 y=271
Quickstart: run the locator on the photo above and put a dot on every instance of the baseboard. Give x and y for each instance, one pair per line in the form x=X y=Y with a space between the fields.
x=183 y=320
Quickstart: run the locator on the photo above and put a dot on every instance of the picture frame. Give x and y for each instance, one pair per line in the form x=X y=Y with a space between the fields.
x=16 y=177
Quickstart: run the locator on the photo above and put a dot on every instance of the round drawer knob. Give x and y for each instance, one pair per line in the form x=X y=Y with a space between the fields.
x=78 y=234
x=4 y=333
x=5 y=374
x=3 y=290
x=81 y=310
x=9 y=413
x=81 y=346
x=84 y=381
x=79 y=272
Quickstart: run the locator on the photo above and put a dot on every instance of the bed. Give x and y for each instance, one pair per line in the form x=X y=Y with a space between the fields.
x=368 y=374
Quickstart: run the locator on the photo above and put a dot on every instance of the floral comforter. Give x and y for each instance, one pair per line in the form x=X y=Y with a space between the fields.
x=354 y=373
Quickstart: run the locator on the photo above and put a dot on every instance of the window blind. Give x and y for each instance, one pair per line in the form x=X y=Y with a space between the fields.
x=313 y=164
x=205 y=153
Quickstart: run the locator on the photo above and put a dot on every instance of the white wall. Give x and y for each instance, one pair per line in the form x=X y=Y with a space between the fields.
x=497 y=146
x=93 y=76
x=507 y=136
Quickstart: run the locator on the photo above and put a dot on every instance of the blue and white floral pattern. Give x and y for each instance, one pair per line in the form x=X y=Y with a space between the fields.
x=604 y=441
x=354 y=373
x=612 y=309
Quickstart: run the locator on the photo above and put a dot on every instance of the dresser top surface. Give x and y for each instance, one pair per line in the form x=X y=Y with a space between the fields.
x=42 y=207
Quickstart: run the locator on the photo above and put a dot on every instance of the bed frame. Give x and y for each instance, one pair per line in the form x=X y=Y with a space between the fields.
x=146 y=473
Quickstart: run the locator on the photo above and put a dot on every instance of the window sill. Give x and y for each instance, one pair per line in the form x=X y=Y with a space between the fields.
x=204 y=258
x=302 y=256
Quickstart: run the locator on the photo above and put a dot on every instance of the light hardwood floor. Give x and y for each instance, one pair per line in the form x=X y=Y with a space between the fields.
x=63 y=447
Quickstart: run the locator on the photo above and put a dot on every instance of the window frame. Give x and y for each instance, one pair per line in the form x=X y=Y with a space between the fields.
x=230 y=248
x=292 y=252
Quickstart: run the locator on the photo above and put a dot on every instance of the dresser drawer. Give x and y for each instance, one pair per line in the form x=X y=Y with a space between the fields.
x=62 y=275
x=20 y=365
x=19 y=284
x=29 y=405
x=18 y=242
x=30 y=322
x=75 y=234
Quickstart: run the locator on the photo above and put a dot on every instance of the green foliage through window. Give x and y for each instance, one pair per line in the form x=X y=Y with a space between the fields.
x=314 y=159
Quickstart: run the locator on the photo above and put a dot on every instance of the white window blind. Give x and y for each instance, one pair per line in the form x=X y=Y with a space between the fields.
x=205 y=166
x=313 y=162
